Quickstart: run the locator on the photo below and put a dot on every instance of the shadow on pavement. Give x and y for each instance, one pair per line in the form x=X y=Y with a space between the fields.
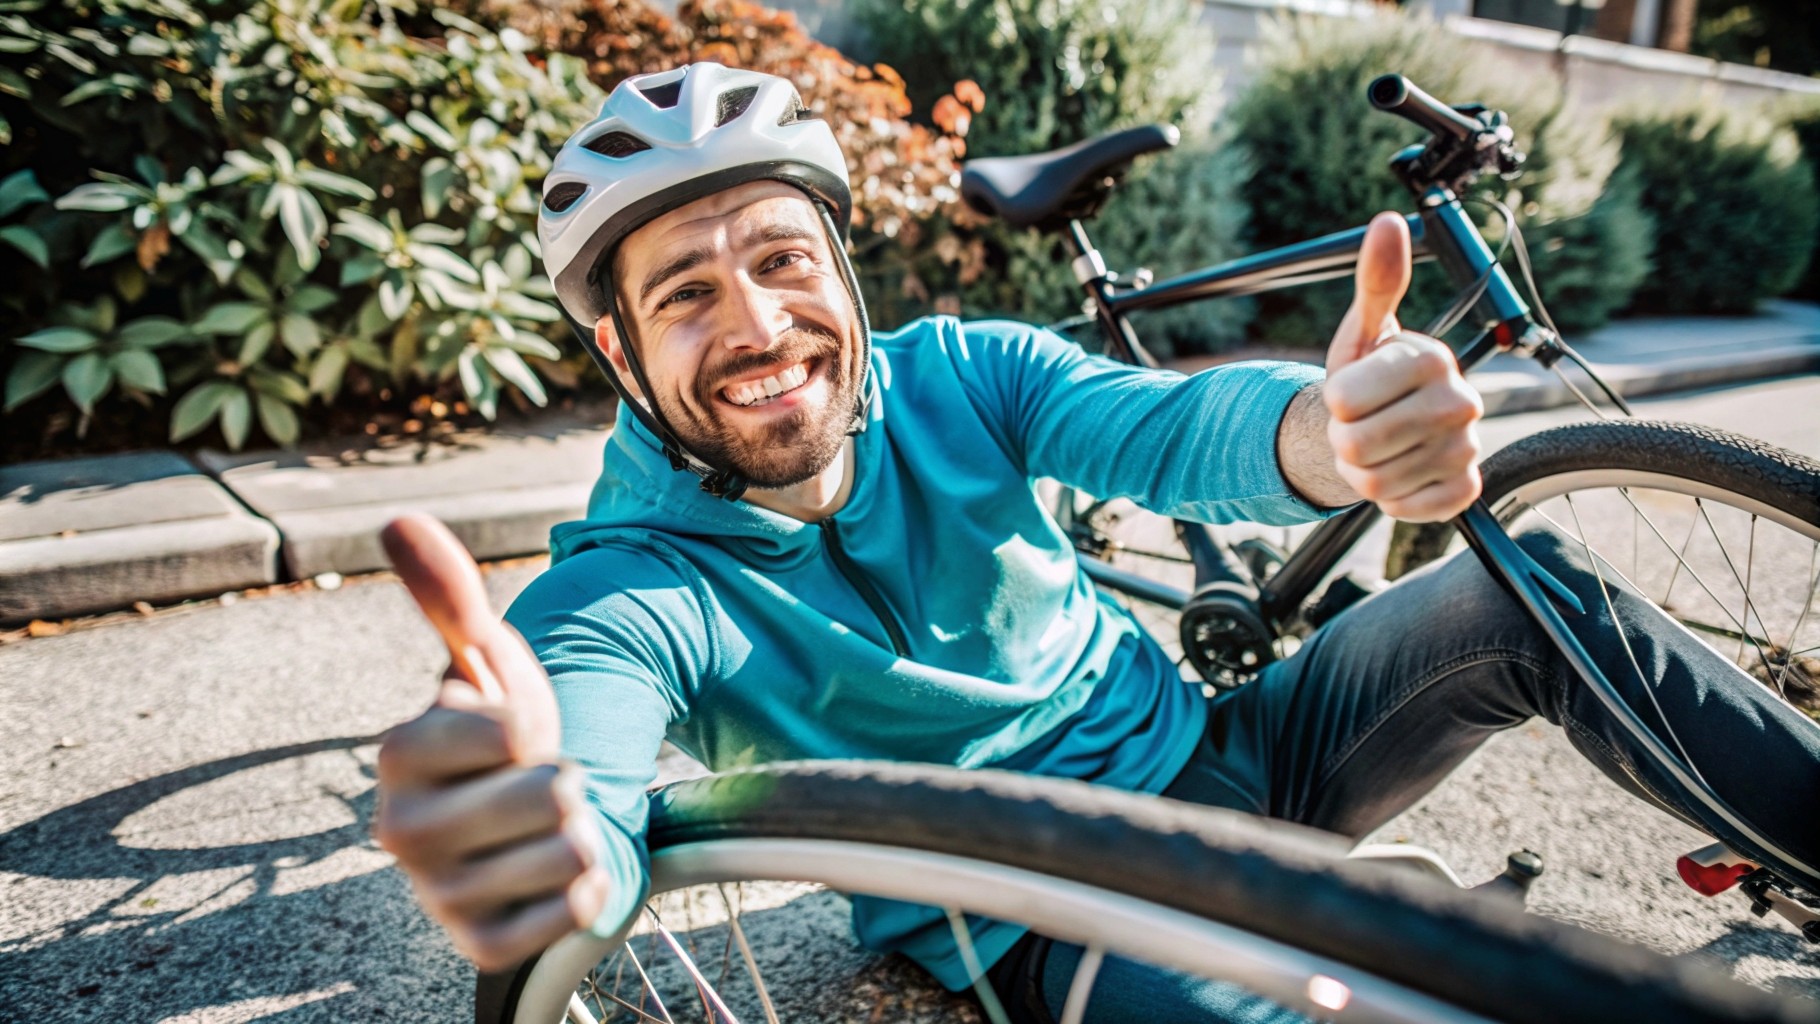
x=308 y=927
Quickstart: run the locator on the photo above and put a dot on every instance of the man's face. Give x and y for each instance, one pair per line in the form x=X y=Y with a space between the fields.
x=745 y=329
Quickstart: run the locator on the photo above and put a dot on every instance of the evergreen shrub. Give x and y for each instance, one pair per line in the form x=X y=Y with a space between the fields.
x=1055 y=72
x=1320 y=153
x=224 y=218
x=1734 y=202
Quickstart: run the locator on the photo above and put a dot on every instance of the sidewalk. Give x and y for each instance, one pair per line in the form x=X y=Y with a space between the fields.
x=80 y=536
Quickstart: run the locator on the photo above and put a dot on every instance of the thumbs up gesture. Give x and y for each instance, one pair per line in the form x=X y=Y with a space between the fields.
x=1401 y=419
x=494 y=833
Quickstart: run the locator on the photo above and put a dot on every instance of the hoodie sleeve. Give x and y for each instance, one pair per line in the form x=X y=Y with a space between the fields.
x=1199 y=447
x=622 y=634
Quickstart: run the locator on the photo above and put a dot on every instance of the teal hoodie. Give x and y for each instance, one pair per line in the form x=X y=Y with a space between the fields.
x=940 y=616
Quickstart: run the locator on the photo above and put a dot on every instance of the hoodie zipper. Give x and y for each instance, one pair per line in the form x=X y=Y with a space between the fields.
x=867 y=591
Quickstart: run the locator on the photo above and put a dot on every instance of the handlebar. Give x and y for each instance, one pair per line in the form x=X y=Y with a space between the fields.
x=1398 y=95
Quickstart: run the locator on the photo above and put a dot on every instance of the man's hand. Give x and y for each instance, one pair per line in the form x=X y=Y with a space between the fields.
x=494 y=834
x=1401 y=418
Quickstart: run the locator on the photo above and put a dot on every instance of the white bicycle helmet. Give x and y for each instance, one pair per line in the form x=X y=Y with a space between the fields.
x=662 y=141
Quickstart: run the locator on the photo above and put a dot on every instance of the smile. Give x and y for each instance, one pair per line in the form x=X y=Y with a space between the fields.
x=759 y=392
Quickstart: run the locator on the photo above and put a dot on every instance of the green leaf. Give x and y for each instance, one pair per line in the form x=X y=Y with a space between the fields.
x=326 y=374
x=361 y=268
x=299 y=334
x=477 y=383
x=278 y=420
x=27 y=241
x=365 y=230
x=426 y=126
x=443 y=261
x=236 y=418
x=395 y=293
x=251 y=286
x=60 y=339
x=15 y=84
x=511 y=366
x=103 y=197
x=533 y=345
x=86 y=378
x=139 y=369
x=527 y=308
x=257 y=340
x=303 y=220
x=151 y=332
x=20 y=188
x=279 y=384
x=438 y=176
x=114 y=241
x=231 y=318
x=112 y=85
x=311 y=298
x=436 y=234
x=199 y=406
x=335 y=184
x=31 y=376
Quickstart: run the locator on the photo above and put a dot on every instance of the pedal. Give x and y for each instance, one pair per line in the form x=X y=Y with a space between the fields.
x=1521 y=869
x=1713 y=869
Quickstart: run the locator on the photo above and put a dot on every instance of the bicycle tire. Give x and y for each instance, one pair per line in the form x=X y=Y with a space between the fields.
x=1278 y=882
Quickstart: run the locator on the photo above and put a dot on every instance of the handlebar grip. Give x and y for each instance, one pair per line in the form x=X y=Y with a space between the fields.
x=1398 y=95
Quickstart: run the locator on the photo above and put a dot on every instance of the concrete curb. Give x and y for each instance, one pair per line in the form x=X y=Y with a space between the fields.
x=94 y=534
x=80 y=536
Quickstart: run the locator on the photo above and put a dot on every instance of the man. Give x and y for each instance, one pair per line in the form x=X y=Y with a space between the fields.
x=809 y=543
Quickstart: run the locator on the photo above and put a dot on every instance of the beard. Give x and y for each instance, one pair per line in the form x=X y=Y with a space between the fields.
x=785 y=452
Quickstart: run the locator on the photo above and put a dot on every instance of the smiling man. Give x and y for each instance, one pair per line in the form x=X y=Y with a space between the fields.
x=809 y=543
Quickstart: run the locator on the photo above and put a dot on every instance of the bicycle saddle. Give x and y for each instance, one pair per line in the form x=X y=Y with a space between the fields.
x=1026 y=191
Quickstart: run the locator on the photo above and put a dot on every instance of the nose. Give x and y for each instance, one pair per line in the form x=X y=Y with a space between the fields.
x=751 y=317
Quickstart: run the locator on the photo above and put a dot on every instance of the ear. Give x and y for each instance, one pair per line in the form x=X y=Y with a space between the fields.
x=607 y=339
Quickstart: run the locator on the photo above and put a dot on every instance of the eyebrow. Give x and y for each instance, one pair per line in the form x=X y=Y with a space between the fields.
x=687 y=261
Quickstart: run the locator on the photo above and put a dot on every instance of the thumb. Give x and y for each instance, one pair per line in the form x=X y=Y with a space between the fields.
x=442 y=577
x=1379 y=285
x=487 y=658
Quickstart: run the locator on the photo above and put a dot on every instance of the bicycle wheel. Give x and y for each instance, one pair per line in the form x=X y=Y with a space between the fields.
x=1270 y=905
x=1719 y=532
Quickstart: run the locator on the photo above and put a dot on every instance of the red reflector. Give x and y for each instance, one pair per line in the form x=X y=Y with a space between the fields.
x=1710 y=879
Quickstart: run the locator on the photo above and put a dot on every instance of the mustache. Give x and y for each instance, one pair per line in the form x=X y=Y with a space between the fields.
x=798 y=344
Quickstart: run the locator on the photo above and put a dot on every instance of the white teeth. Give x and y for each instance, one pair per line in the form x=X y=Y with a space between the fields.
x=758 y=392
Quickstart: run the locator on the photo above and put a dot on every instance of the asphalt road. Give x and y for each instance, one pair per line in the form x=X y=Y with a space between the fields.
x=183 y=829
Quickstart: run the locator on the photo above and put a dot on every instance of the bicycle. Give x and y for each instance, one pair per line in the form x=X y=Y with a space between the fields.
x=1278 y=908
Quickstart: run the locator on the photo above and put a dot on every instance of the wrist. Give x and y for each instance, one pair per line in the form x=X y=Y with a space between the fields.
x=1306 y=457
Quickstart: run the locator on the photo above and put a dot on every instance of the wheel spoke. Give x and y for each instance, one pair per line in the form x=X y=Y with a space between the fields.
x=646 y=988
x=1643 y=680
x=579 y=1012
x=1788 y=661
x=1749 y=607
x=1081 y=988
x=745 y=951
x=963 y=937
x=711 y=1003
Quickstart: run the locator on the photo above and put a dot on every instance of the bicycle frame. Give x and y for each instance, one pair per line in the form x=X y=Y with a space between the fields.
x=1441 y=230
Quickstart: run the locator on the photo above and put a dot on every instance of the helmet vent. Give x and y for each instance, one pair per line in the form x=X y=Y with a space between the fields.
x=734 y=103
x=617 y=144
x=561 y=197
x=795 y=112
x=665 y=95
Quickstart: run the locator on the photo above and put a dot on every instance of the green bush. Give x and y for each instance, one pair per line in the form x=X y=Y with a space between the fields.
x=222 y=211
x=1734 y=202
x=1321 y=151
x=1054 y=72
x=1806 y=124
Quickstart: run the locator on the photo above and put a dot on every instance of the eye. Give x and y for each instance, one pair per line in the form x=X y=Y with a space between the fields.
x=784 y=259
x=680 y=295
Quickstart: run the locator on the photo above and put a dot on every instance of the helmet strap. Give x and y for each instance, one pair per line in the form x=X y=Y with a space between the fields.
x=863 y=403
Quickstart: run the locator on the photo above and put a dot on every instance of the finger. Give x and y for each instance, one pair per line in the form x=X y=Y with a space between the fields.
x=1388 y=374
x=465 y=820
x=1405 y=424
x=445 y=582
x=1438 y=502
x=503 y=943
x=521 y=873
x=442 y=745
x=1379 y=284
x=1438 y=461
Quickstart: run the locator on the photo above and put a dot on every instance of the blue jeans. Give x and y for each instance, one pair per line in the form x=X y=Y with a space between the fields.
x=1393 y=694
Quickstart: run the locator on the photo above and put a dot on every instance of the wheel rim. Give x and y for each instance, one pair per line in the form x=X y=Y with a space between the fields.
x=1103 y=921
